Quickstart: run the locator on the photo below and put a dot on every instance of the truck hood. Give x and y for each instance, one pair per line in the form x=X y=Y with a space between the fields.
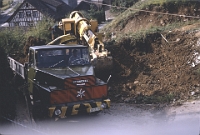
x=69 y=72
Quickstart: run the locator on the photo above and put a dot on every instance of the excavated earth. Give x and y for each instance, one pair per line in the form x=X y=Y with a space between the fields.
x=164 y=67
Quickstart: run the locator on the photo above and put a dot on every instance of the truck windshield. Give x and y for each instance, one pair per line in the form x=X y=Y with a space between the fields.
x=61 y=58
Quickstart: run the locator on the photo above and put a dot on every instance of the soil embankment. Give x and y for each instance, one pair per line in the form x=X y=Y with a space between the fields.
x=162 y=66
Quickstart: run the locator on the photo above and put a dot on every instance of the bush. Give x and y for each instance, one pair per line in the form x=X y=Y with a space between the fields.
x=12 y=40
x=95 y=14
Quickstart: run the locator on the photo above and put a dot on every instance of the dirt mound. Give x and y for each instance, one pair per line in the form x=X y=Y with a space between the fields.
x=163 y=67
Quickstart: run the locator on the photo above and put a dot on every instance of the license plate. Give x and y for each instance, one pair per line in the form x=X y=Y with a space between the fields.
x=95 y=109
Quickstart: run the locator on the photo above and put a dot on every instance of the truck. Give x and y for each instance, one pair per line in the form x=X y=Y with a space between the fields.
x=58 y=86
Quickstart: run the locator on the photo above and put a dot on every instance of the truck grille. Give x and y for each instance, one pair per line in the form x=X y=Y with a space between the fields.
x=78 y=94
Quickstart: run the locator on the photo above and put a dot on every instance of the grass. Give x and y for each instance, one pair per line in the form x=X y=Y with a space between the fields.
x=120 y=21
x=155 y=99
x=140 y=35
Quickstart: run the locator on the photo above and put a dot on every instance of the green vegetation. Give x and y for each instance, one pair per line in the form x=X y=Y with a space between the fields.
x=94 y=14
x=120 y=21
x=141 y=35
x=153 y=99
x=121 y=3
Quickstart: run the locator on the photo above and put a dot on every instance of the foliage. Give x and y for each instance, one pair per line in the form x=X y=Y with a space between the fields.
x=94 y=14
x=141 y=35
x=155 y=99
x=121 y=3
x=121 y=20
x=12 y=40
x=42 y=29
x=98 y=15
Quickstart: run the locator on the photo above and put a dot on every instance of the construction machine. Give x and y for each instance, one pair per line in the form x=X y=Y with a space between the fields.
x=58 y=79
x=79 y=30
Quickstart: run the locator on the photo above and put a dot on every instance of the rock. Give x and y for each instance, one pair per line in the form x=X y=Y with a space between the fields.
x=119 y=95
x=178 y=39
x=127 y=100
x=193 y=102
x=136 y=82
x=192 y=93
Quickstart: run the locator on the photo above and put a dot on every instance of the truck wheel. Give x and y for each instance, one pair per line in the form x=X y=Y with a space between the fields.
x=38 y=113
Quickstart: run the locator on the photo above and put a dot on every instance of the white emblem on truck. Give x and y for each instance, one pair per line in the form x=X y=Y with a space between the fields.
x=80 y=93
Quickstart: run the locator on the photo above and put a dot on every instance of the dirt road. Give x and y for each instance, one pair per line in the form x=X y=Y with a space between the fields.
x=120 y=119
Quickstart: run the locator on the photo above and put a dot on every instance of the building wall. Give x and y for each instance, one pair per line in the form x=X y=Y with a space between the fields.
x=27 y=15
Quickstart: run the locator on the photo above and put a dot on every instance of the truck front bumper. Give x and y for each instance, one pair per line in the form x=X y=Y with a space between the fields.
x=78 y=108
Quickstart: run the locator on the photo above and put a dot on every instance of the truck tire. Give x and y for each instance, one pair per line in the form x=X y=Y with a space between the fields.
x=39 y=113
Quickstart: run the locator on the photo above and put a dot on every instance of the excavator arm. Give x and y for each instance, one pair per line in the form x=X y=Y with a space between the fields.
x=78 y=29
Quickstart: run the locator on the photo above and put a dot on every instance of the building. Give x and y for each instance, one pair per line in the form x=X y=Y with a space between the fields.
x=32 y=11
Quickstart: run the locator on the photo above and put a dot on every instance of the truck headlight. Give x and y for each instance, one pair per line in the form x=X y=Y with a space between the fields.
x=57 y=112
x=103 y=105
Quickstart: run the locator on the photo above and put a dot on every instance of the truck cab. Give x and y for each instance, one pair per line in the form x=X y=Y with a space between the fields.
x=61 y=81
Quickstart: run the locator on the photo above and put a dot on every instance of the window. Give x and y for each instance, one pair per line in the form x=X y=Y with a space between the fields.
x=35 y=14
x=16 y=23
x=27 y=5
x=21 y=14
x=28 y=13
x=79 y=57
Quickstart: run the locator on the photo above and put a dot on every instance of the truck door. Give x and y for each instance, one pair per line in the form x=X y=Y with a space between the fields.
x=31 y=71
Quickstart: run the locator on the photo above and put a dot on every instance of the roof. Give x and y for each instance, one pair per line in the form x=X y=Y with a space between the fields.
x=41 y=5
x=56 y=46
x=52 y=2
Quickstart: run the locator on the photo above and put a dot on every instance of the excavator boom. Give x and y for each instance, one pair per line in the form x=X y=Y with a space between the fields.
x=77 y=29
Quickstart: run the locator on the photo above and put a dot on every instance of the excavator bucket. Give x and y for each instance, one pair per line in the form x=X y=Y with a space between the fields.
x=103 y=63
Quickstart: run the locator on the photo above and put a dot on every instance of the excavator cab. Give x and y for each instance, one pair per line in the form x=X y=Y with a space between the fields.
x=68 y=26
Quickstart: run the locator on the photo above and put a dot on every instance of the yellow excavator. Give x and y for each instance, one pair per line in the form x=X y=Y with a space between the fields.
x=79 y=30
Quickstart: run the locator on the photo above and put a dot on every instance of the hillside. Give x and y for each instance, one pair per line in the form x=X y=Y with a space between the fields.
x=156 y=59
